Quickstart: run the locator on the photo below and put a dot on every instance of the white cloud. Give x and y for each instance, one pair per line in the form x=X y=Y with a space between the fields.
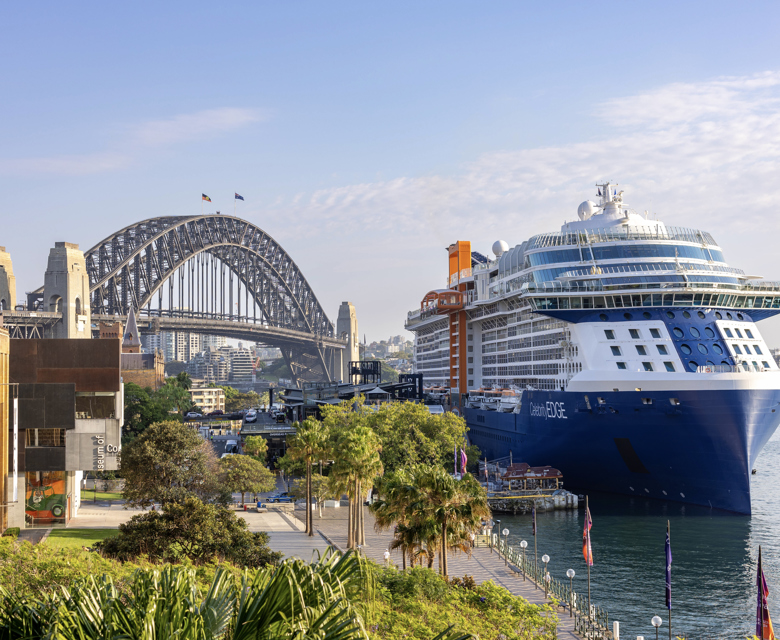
x=139 y=139
x=705 y=155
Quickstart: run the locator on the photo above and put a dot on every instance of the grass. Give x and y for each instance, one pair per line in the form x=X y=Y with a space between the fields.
x=87 y=495
x=77 y=538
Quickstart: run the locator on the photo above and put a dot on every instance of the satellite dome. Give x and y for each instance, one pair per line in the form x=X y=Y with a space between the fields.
x=500 y=247
x=586 y=209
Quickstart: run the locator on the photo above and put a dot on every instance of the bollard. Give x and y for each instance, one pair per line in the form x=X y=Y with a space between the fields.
x=615 y=630
x=640 y=638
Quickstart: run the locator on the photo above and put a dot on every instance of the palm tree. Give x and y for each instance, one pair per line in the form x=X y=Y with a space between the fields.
x=357 y=464
x=309 y=444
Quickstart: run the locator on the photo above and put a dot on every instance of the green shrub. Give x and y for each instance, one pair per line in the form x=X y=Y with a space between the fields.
x=11 y=532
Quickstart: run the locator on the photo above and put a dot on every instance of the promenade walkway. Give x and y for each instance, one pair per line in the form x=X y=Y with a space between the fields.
x=483 y=564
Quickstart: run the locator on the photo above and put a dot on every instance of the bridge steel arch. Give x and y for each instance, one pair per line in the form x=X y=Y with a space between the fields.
x=130 y=267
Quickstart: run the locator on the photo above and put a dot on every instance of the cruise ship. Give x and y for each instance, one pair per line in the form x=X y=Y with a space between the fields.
x=622 y=351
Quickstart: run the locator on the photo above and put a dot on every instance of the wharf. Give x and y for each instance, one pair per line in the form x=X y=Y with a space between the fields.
x=521 y=502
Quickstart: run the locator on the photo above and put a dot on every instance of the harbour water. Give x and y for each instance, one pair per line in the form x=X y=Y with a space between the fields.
x=714 y=557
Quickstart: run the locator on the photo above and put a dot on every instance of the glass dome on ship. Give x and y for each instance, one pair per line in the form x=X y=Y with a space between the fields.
x=617 y=318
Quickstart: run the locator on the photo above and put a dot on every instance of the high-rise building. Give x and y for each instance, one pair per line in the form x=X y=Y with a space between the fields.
x=207 y=340
x=179 y=345
x=241 y=365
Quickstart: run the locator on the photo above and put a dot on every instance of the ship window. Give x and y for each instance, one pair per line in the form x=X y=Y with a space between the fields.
x=669 y=366
x=669 y=314
x=728 y=332
x=700 y=314
x=627 y=316
x=693 y=365
x=749 y=333
x=709 y=332
x=647 y=315
x=747 y=349
x=655 y=333
x=757 y=350
x=615 y=351
x=717 y=348
x=686 y=314
x=647 y=401
x=621 y=365
x=678 y=332
x=640 y=349
x=719 y=315
x=694 y=332
x=634 y=334
x=766 y=364
x=755 y=364
x=737 y=349
x=610 y=334
x=739 y=316
x=603 y=317
x=685 y=349
x=648 y=366
x=702 y=349
x=674 y=402
x=745 y=365
x=738 y=332
x=729 y=316
x=661 y=349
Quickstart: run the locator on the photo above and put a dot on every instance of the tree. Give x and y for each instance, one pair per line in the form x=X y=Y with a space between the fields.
x=431 y=509
x=321 y=490
x=411 y=434
x=169 y=462
x=257 y=447
x=309 y=444
x=142 y=408
x=192 y=530
x=245 y=475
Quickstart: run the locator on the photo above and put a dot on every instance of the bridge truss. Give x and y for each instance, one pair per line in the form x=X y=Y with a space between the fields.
x=214 y=272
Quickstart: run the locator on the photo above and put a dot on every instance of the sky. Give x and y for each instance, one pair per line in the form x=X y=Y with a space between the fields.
x=366 y=137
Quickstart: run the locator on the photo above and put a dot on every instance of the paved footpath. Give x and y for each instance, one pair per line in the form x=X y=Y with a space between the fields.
x=482 y=564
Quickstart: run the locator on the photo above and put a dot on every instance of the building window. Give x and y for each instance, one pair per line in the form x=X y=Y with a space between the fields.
x=669 y=366
x=648 y=366
x=728 y=332
x=634 y=333
x=749 y=333
x=621 y=365
x=737 y=349
x=661 y=349
x=655 y=333
x=640 y=349
x=615 y=351
x=610 y=334
x=44 y=437
x=757 y=350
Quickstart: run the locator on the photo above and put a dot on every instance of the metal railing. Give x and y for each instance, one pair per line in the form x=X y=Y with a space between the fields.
x=593 y=624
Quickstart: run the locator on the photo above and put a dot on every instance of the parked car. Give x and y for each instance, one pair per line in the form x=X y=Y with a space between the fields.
x=216 y=412
x=193 y=414
x=280 y=497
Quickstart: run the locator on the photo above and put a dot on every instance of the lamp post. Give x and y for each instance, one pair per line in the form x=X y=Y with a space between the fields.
x=656 y=622
x=570 y=574
x=506 y=538
x=498 y=528
x=545 y=559
x=523 y=545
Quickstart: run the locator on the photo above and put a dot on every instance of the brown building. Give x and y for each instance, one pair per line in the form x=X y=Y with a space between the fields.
x=143 y=369
x=70 y=408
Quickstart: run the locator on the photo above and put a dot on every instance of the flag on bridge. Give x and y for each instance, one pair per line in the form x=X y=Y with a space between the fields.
x=205 y=197
x=587 y=551
x=238 y=197
x=764 y=628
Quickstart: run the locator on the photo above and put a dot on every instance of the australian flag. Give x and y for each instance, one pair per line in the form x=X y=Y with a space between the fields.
x=238 y=197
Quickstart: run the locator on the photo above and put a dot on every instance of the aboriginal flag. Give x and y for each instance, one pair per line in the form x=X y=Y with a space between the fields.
x=205 y=197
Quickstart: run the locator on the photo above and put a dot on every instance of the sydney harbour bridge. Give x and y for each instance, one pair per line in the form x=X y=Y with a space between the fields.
x=207 y=274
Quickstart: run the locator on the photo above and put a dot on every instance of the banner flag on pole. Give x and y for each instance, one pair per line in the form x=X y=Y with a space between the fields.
x=587 y=551
x=668 y=549
x=238 y=197
x=533 y=513
x=205 y=197
x=764 y=628
x=463 y=461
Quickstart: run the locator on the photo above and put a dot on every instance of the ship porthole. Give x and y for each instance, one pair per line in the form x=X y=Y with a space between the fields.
x=719 y=315
x=664 y=492
x=632 y=488
x=627 y=316
x=647 y=315
x=604 y=317
x=647 y=490
x=686 y=314
x=682 y=495
x=669 y=314
x=701 y=314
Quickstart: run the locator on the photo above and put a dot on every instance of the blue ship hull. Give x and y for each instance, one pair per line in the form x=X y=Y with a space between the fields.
x=700 y=451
